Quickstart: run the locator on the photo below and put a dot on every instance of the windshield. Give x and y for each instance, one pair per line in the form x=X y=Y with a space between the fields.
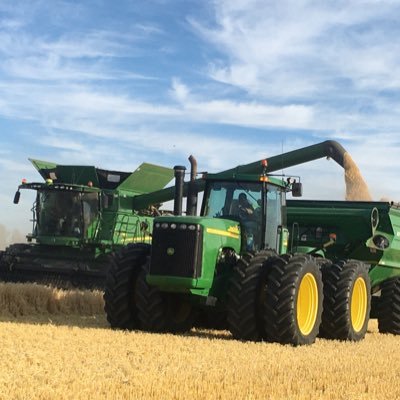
x=61 y=213
x=242 y=201
x=238 y=201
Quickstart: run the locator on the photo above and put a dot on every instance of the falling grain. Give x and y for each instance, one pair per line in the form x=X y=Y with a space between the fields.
x=356 y=187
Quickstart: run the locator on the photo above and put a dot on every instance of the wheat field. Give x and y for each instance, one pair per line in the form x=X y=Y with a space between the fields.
x=57 y=345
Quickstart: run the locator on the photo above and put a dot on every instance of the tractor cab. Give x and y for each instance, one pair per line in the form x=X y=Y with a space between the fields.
x=258 y=205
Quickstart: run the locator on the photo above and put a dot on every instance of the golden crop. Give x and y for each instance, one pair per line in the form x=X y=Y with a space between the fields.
x=59 y=349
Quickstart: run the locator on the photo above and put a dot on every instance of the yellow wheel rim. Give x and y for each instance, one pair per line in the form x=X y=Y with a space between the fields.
x=358 y=308
x=307 y=304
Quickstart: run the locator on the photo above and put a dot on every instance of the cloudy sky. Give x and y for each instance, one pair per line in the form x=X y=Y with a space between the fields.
x=113 y=84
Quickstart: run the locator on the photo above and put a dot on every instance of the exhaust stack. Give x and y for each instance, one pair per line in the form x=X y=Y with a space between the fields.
x=179 y=172
x=191 y=201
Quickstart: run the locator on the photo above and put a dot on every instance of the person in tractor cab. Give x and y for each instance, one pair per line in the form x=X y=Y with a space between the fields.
x=246 y=210
x=248 y=219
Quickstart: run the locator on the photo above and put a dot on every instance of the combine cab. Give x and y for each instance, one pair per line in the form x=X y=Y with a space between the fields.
x=80 y=215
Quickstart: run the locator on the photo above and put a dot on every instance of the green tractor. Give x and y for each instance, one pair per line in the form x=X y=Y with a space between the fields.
x=234 y=261
x=81 y=214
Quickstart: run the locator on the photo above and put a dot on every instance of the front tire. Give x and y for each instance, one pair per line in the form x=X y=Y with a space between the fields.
x=293 y=305
x=119 y=293
x=246 y=295
x=347 y=300
x=162 y=312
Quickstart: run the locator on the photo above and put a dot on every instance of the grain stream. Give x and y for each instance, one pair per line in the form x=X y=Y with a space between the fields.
x=356 y=187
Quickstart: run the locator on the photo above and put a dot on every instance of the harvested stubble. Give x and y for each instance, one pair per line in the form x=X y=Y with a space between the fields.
x=79 y=357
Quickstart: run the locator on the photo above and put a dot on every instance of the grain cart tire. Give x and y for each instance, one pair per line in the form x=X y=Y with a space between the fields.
x=119 y=293
x=293 y=304
x=246 y=295
x=162 y=312
x=389 y=307
x=347 y=300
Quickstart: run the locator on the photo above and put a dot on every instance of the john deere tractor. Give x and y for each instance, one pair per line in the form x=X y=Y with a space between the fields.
x=233 y=259
x=80 y=215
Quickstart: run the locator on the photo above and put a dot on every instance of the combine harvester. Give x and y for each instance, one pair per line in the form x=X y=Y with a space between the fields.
x=245 y=259
x=80 y=215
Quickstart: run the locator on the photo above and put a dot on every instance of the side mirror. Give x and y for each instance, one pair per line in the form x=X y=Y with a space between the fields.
x=297 y=189
x=17 y=196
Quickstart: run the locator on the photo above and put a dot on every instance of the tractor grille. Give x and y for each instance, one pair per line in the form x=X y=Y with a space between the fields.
x=176 y=250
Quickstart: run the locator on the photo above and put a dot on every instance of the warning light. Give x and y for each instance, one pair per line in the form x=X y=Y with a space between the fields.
x=90 y=183
x=24 y=181
x=332 y=236
x=264 y=163
x=264 y=178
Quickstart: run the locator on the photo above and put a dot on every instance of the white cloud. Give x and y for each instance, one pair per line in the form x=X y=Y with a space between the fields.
x=179 y=91
x=285 y=49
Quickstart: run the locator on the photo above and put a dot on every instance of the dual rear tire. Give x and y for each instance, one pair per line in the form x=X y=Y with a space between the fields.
x=293 y=300
x=276 y=299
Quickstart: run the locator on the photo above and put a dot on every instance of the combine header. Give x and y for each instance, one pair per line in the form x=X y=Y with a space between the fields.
x=80 y=215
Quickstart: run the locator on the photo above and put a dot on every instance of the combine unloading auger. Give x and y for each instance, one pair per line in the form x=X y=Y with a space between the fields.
x=329 y=148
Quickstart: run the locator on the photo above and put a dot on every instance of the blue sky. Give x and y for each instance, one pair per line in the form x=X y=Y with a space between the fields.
x=113 y=84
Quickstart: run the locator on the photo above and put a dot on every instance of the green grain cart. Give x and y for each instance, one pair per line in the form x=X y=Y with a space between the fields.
x=352 y=235
x=80 y=215
x=233 y=260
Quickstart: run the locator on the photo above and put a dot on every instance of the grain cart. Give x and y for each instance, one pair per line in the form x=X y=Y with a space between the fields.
x=232 y=258
x=345 y=232
x=80 y=215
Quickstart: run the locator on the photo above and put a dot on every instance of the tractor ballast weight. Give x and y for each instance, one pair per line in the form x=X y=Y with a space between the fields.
x=80 y=215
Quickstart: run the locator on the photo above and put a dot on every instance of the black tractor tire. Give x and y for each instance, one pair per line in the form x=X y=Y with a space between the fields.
x=160 y=311
x=389 y=307
x=293 y=304
x=246 y=295
x=347 y=300
x=119 y=293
